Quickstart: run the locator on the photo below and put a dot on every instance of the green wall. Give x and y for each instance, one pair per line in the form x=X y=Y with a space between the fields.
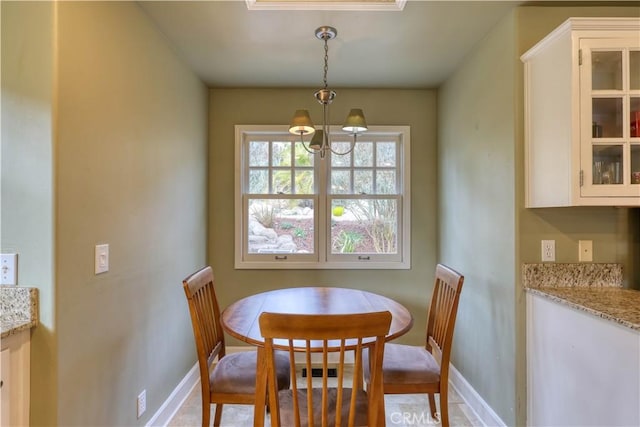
x=122 y=127
x=415 y=108
x=477 y=200
x=27 y=193
x=481 y=200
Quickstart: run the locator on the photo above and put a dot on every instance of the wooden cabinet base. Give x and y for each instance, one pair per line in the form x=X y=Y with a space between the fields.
x=15 y=376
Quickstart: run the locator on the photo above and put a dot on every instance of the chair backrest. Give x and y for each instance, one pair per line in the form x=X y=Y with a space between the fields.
x=205 y=319
x=442 y=312
x=324 y=334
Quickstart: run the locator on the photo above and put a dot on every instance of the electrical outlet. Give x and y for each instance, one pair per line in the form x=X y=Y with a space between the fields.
x=142 y=402
x=548 y=251
x=585 y=250
x=9 y=269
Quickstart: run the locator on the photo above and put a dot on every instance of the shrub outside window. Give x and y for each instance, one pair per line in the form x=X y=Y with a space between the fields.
x=296 y=210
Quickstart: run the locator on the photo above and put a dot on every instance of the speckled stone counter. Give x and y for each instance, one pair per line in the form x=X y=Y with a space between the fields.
x=18 y=309
x=593 y=288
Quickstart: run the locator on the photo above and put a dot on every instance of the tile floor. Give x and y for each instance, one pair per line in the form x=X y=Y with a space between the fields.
x=401 y=410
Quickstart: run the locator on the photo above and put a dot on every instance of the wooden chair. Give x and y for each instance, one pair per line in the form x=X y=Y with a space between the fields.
x=232 y=379
x=411 y=369
x=326 y=405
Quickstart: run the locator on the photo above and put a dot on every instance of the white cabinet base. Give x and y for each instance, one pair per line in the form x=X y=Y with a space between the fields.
x=581 y=370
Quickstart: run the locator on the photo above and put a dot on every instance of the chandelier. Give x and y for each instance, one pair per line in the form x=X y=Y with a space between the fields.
x=301 y=123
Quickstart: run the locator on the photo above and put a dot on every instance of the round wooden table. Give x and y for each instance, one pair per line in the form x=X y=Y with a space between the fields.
x=240 y=319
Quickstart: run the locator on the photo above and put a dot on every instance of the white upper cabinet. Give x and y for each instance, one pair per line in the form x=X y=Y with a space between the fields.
x=582 y=115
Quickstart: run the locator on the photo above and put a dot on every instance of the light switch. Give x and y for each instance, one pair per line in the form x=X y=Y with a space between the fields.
x=9 y=269
x=102 y=259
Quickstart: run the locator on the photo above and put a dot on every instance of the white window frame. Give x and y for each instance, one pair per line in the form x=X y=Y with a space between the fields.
x=322 y=258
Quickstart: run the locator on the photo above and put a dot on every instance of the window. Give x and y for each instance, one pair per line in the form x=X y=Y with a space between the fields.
x=296 y=210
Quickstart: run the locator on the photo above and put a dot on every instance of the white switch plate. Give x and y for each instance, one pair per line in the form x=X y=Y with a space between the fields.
x=142 y=403
x=548 y=251
x=585 y=250
x=102 y=259
x=9 y=269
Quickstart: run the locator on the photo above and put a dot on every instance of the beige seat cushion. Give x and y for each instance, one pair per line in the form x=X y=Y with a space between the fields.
x=236 y=373
x=406 y=364
x=287 y=414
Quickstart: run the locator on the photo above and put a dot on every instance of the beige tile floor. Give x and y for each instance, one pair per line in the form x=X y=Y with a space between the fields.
x=401 y=410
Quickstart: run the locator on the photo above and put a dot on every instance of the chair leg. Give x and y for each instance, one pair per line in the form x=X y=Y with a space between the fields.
x=206 y=413
x=444 y=407
x=218 y=415
x=432 y=405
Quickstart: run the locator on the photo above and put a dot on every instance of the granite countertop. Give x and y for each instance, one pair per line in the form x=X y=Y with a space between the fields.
x=18 y=309
x=592 y=288
x=617 y=304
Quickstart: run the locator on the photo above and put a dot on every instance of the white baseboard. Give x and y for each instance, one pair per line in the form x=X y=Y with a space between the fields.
x=474 y=401
x=175 y=400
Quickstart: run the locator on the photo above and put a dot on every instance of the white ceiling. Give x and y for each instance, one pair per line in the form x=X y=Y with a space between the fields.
x=228 y=45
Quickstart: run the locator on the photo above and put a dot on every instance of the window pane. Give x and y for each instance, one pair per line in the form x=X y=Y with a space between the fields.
x=258 y=153
x=607 y=164
x=302 y=156
x=281 y=226
x=281 y=154
x=634 y=123
x=341 y=160
x=363 y=181
x=634 y=70
x=635 y=164
x=364 y=226
x=304 y=182
x=386 y=182
x=386 y=154
x=259 y=181
x=340 y=182
x=606 y=70
x=363 y=154
x=281 y=182
x=607 y=117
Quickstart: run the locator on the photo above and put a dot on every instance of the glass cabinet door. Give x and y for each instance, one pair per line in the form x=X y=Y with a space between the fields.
x=610 y=117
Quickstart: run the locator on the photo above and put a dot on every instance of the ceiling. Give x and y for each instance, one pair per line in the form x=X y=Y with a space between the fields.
x=227 y=45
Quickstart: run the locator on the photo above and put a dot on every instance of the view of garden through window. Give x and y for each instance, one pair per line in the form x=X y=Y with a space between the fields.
x=362 y=196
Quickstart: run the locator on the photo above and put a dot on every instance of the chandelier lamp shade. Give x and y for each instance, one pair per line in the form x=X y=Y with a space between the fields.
x=301 y=123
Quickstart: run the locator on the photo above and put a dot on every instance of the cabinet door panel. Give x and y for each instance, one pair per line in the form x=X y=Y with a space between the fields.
x=608 y=106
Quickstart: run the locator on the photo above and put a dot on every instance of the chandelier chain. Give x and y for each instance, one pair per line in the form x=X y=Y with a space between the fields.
x=326 y=61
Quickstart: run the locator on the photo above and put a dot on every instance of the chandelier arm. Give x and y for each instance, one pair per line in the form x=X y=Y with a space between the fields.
x=353 y=145
x=308 y=150
x=305 y=146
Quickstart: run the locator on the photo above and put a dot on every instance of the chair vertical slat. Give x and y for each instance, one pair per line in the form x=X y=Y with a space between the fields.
x=340 y=384
x=309 y=385
x=325 y=379
x=271 y=379
x=358 y=368
x=294 y=383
